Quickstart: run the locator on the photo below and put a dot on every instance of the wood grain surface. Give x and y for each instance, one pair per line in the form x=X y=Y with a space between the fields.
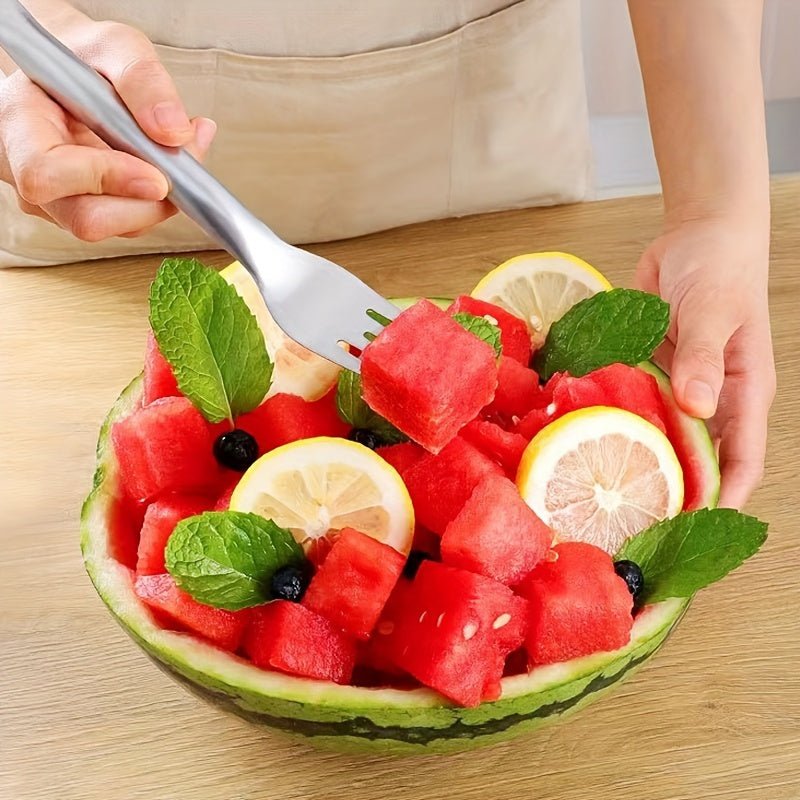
x=85 y=716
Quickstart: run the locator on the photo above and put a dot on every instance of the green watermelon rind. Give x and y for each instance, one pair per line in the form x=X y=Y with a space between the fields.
x=357 y=719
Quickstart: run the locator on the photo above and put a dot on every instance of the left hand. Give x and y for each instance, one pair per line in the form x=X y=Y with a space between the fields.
x=713 y=273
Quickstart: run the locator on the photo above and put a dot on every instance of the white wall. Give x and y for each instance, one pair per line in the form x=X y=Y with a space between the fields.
x=623 y=152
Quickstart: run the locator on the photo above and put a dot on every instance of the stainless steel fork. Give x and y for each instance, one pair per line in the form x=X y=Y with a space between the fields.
x=316 y=302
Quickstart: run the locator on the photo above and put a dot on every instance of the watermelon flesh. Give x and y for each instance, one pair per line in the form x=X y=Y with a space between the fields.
x=518 y=391
x=453 y=632
x=160 y=520
x=496 y=534
x=578 y=605
x=291 y=638
x=165 y=447
x=220 y=627
x=513 y=331
x=354 y=582
x=504 y=447
x=285 y=418
x=159 y=379
x=401 y=456
x=441 y=484
x=427 y=375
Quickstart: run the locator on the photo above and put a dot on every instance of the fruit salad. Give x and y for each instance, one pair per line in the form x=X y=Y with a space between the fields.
x=507 y=484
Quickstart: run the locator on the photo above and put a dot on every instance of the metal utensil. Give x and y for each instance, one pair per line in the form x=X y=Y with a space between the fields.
x=315 y=302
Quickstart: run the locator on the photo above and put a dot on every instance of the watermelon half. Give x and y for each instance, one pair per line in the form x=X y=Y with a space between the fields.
x=358 y=719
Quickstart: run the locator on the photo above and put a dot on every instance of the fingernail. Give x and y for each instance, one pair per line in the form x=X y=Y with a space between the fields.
x=171 y=117
x=144 y=189
x=700 y=396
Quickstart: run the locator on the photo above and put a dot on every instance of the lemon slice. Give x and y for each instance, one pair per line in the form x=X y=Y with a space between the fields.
x=316 y=487
x=540 y=288
x=297 y=370
x=600 y=475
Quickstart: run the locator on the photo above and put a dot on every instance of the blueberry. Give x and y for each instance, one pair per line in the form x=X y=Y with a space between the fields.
x=631 y=573
x=236 y=450
x=290 y=582
x=415 y=558
x=367 y=438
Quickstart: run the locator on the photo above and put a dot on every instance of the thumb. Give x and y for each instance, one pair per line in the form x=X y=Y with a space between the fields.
x=698 y=366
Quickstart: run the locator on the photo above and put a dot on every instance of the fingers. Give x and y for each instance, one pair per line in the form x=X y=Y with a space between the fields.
x=703 y=327
x=130 y=62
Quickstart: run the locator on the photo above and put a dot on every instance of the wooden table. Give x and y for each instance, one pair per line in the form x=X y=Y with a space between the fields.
x=85 y=715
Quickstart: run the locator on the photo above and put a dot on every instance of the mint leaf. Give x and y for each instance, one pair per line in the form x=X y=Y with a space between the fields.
x=678 y=556
x=210 y=338
x=618 y=326
x=354 y=411
x=486 y=331
x=226 y=559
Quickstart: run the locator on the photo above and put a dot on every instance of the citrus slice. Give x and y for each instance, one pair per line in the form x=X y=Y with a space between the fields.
x=540 y=288
x=600 y=475
x=297 y=370
x=317 y=487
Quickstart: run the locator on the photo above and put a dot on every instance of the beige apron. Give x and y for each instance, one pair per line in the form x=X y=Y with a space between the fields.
x=342 y=117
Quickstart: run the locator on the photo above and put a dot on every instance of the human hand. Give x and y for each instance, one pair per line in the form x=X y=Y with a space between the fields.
x=713 y=272
x=64 y=173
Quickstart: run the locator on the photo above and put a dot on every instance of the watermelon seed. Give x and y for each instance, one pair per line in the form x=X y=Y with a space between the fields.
x=422 y=616
x=469 y=630
x=439 y=621
x=502 y=620
x=551 y=409
x=490 y=318
x=551 y=556
x=386 y=627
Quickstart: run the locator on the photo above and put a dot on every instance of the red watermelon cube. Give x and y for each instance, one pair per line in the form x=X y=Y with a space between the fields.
x=220 y=627
x=578 y=605
x=285 y=418
x=427 y=375
x=160 y=520
x=513 y=330
x=291 y=638
x=354 y=582
x=496 y=534
x=504 y=447
x=441 y=484
x=165 y=447
x=453 y=632
x=518 y=391
x=159 y=379
x=401 y=456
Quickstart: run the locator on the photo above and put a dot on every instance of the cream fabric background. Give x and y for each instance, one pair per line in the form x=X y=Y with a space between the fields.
x=443 y=108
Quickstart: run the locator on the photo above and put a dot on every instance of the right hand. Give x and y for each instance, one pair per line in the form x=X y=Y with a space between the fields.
x=63 y=172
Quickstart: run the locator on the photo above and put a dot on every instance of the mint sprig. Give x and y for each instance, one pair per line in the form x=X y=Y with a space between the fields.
x=482 y=328
x=354 y=411
x=681 y=555
x=210 y=338
x=618 y=326
x=226 y=559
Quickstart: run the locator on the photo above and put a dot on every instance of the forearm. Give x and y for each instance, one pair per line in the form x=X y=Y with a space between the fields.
x=700 y=63
x=56 y=15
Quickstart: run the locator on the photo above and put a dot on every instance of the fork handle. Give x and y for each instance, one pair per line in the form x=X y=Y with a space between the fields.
x=88 y=97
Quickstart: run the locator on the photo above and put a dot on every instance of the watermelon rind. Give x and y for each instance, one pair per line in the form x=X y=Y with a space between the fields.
x=358 y=719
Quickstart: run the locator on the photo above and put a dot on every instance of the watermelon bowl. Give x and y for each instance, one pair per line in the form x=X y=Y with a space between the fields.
x=360 y=719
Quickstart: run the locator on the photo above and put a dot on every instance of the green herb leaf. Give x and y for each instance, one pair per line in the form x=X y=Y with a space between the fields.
x=226 y=559
x=486 y=331
x=618 y=326
x=210 y=338
x=678 y=556
x=354 y=411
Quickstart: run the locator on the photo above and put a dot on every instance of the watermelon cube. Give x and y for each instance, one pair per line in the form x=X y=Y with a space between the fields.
x=453 y=632
x=441 y=484
x=518 y=391
x=504 y=447
x=285 y=418
x=175 y=607
x=159 y=379
x=578 y=605
x=160 y=520
x=401 y=456
x=427 y=375
x=354 y=582
x=496 y=534
x=165 y=447
x=291 y=638
x=513 y=330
